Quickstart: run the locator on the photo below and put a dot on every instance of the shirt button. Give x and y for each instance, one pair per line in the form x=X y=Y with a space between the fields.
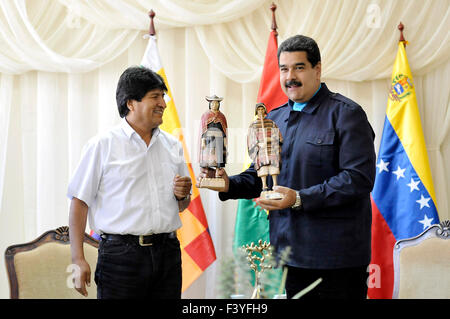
x=319 y=141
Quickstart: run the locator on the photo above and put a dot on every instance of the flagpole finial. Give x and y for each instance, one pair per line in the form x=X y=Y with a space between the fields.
x=273 y=7
x=401 y=27
x=151 y=30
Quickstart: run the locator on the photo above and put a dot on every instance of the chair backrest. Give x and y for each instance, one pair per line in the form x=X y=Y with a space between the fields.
x=42 y=268
x=422 y=264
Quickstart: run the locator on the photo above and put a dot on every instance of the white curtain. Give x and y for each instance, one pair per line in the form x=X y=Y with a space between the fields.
x=60 y=62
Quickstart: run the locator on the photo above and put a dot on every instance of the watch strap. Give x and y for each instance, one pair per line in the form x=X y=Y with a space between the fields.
x=298 y=201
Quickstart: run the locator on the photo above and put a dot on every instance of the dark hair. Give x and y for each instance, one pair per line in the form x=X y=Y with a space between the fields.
x=134 y=83
x=301 y=43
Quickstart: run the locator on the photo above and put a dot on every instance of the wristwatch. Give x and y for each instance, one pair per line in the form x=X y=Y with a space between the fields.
x=298 y=201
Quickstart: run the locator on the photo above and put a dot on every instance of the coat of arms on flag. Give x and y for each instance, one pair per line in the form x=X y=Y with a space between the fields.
x=401 y=87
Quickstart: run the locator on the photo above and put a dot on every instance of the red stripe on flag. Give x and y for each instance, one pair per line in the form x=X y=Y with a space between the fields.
x=196 y=208
x=203 y=254
x=383 y=242
x=270 y=92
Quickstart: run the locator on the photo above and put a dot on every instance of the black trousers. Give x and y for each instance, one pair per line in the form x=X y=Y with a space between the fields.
x=345 y=283
x=126 y=270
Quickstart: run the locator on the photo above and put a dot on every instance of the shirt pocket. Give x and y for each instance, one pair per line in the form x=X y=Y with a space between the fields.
x=320 y=148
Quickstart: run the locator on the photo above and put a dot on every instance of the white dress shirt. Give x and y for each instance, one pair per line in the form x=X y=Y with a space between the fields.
x=128 y=186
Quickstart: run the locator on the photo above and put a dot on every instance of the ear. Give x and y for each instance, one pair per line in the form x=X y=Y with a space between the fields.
x=130 y=105
x=318 y=69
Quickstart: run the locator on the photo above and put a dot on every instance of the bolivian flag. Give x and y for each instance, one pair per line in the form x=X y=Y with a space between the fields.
x=197 y=249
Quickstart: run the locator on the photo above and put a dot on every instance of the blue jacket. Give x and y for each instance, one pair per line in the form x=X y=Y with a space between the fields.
x=328 y=156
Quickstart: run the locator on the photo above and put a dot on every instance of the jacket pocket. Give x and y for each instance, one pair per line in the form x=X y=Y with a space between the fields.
x=320 y=148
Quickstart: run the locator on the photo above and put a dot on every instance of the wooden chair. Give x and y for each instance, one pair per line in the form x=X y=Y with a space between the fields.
x=42 y=268
x=422 y=264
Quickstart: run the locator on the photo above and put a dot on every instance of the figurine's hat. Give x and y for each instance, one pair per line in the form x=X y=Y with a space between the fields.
x=214 y=98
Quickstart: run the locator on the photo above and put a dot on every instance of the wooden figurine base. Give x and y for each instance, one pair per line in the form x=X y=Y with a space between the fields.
x=271 y=195
x=213 y=183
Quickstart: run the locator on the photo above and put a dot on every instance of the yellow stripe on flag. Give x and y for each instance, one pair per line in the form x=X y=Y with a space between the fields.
x=191 y=270
x=171 y=124
x=403 y=114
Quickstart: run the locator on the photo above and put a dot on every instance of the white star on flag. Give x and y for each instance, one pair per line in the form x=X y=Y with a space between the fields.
x=413 y=185
x=382 y=165
x=423 y=201
x=426 y=222
x=399 y=172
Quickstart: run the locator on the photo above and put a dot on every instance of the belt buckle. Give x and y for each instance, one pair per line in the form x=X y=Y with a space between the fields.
x=141 y=241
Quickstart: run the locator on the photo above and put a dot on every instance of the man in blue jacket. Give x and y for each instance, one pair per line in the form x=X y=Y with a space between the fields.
x=327 y=172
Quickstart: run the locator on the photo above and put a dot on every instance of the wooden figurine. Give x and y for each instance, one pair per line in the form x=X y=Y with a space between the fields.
x=264 y=148
x=213 y=143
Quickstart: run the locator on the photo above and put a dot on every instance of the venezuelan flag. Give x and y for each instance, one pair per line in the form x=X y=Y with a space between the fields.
x=197 y=249
x=403 y=198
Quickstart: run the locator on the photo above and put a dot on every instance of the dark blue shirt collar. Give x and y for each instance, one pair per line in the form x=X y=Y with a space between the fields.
x=314 y=102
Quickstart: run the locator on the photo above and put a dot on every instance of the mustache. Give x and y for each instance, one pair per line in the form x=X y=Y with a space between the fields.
x=292 y=83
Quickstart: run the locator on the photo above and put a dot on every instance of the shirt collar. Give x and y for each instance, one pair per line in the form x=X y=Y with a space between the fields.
x=128 y=130
x=314 y=102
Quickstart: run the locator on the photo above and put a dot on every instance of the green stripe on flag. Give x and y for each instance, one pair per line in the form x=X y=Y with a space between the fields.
x=251 y=224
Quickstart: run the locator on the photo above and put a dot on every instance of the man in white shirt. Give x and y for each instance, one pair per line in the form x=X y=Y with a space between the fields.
x=131 y=183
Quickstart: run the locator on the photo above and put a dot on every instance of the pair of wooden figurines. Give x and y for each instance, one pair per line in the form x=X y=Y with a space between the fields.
x=263 y=142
